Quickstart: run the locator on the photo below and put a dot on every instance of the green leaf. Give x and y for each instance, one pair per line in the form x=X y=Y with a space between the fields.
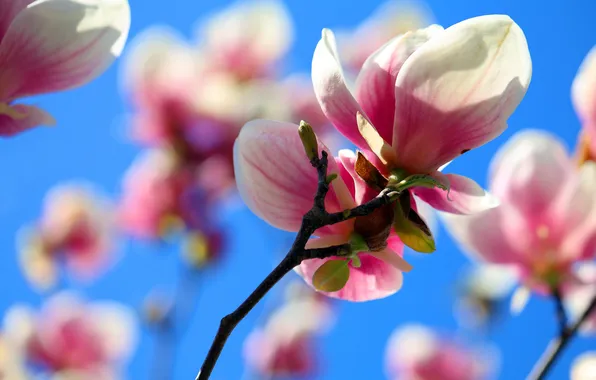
x=331 y=276
x=411 y=228
x=421 y=180
x=356 y=263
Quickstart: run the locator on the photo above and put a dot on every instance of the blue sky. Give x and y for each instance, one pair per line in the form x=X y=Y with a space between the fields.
x=90 y=143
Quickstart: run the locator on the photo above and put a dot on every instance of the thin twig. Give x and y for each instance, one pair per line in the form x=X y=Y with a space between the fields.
x=314 y=219
x=555 y=348
x=561 y=314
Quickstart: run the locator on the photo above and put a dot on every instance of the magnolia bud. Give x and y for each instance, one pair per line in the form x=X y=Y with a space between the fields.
x=309 y=140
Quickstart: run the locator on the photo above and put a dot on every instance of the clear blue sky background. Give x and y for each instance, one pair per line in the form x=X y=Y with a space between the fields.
x=90 y=143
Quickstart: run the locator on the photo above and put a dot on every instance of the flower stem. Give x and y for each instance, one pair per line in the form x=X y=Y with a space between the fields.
x=556 y=346
x=314 y=219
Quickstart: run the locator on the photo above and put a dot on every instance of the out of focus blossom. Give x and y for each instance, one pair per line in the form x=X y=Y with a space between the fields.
x=282 y=191
x=248 y=38
x=391 y=19
x=12 y=365
x=70 y=338
x=76 y=228
x=578 y=297
x=419 y=103
x=285 y=346
x=54 y=45
x=584 y=99
x=415 y=352
x=546 y=222
x=481 y=293
x=584 y=367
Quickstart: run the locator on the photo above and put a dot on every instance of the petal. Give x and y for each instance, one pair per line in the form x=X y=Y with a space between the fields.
x=20 y=118
x=583 y=91
x=483 y=235
x=374 y=279
x=463 y=197
x=375 y=85
x=392 y=258
x=457 y=91
x=117 y=327
x=71 y=43
x=10 y=9
x=530 y=172
x=329 y=83
x=275 y=177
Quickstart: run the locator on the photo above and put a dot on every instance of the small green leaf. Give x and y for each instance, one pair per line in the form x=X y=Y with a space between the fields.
x=331 y=177
x=358 y=244
x=331 y=276
x=356 y=263
x=421 y=180
x=411 y=228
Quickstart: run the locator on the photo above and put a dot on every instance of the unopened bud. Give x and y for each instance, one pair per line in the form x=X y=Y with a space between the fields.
x=309 y=140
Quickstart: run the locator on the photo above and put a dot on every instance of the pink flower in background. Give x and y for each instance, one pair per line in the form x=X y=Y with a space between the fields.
x=69 y=336
x=546 y=222
x=76 y=228
x=12 y=365
x=53 y=45
x=415 y=352
x=578 y=297
x=584 y=99
x=285 y=346
x=277 y=182
x=389 y=20
x=427 y=97
x=584 y=366
x=248 y=38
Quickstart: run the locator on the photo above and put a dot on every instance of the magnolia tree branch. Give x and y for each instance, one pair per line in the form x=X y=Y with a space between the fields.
x=314 y=219
x=561 y=314
x=555 y=348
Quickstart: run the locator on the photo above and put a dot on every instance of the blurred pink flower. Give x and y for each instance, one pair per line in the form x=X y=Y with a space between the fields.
x=286 y=345
x=579 y=296
x=248 y=38
x=54 y=45
x=547 y=218
x=584 y=366
x=70 y=336
x=391 y=19
x=281 y=191
x=76 y=227
x=584 y=99
x=12 y=365
x=415 y=352
x=427 y=97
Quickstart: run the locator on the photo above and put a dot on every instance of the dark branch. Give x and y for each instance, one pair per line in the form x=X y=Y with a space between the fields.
x=561 y=314
x=555 y=348
x=314 y=219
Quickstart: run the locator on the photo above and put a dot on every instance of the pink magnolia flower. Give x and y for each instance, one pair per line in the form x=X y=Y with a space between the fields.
x=285 y=346
x=248 y=38
x=70 y=336
x=277 y=182
x=415 y=352
x=76 y=228
x=53 y=45
x=12 y=365
x=579 y=296
x=428 y=96
x=388 y=20
x=584 y=99
x=547 y=218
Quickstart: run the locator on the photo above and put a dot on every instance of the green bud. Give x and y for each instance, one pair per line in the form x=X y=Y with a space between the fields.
x=356 y=263
x=411 y=228
x=309 y=140
x=331 y=177
x=331 y=276
x=358 y=244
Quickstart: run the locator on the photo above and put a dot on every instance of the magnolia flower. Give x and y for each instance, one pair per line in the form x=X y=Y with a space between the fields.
x=278 y=183
x=584 y=366
x=12 y=364
x=578 y=298
x=69 y=336
x=247 y=39
x=415 y=352
x=54 y=45
x=584 y=99
x=389 y=20
x=547 y=218
x=76 y=228
x=423 y=99
x=285 y=346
